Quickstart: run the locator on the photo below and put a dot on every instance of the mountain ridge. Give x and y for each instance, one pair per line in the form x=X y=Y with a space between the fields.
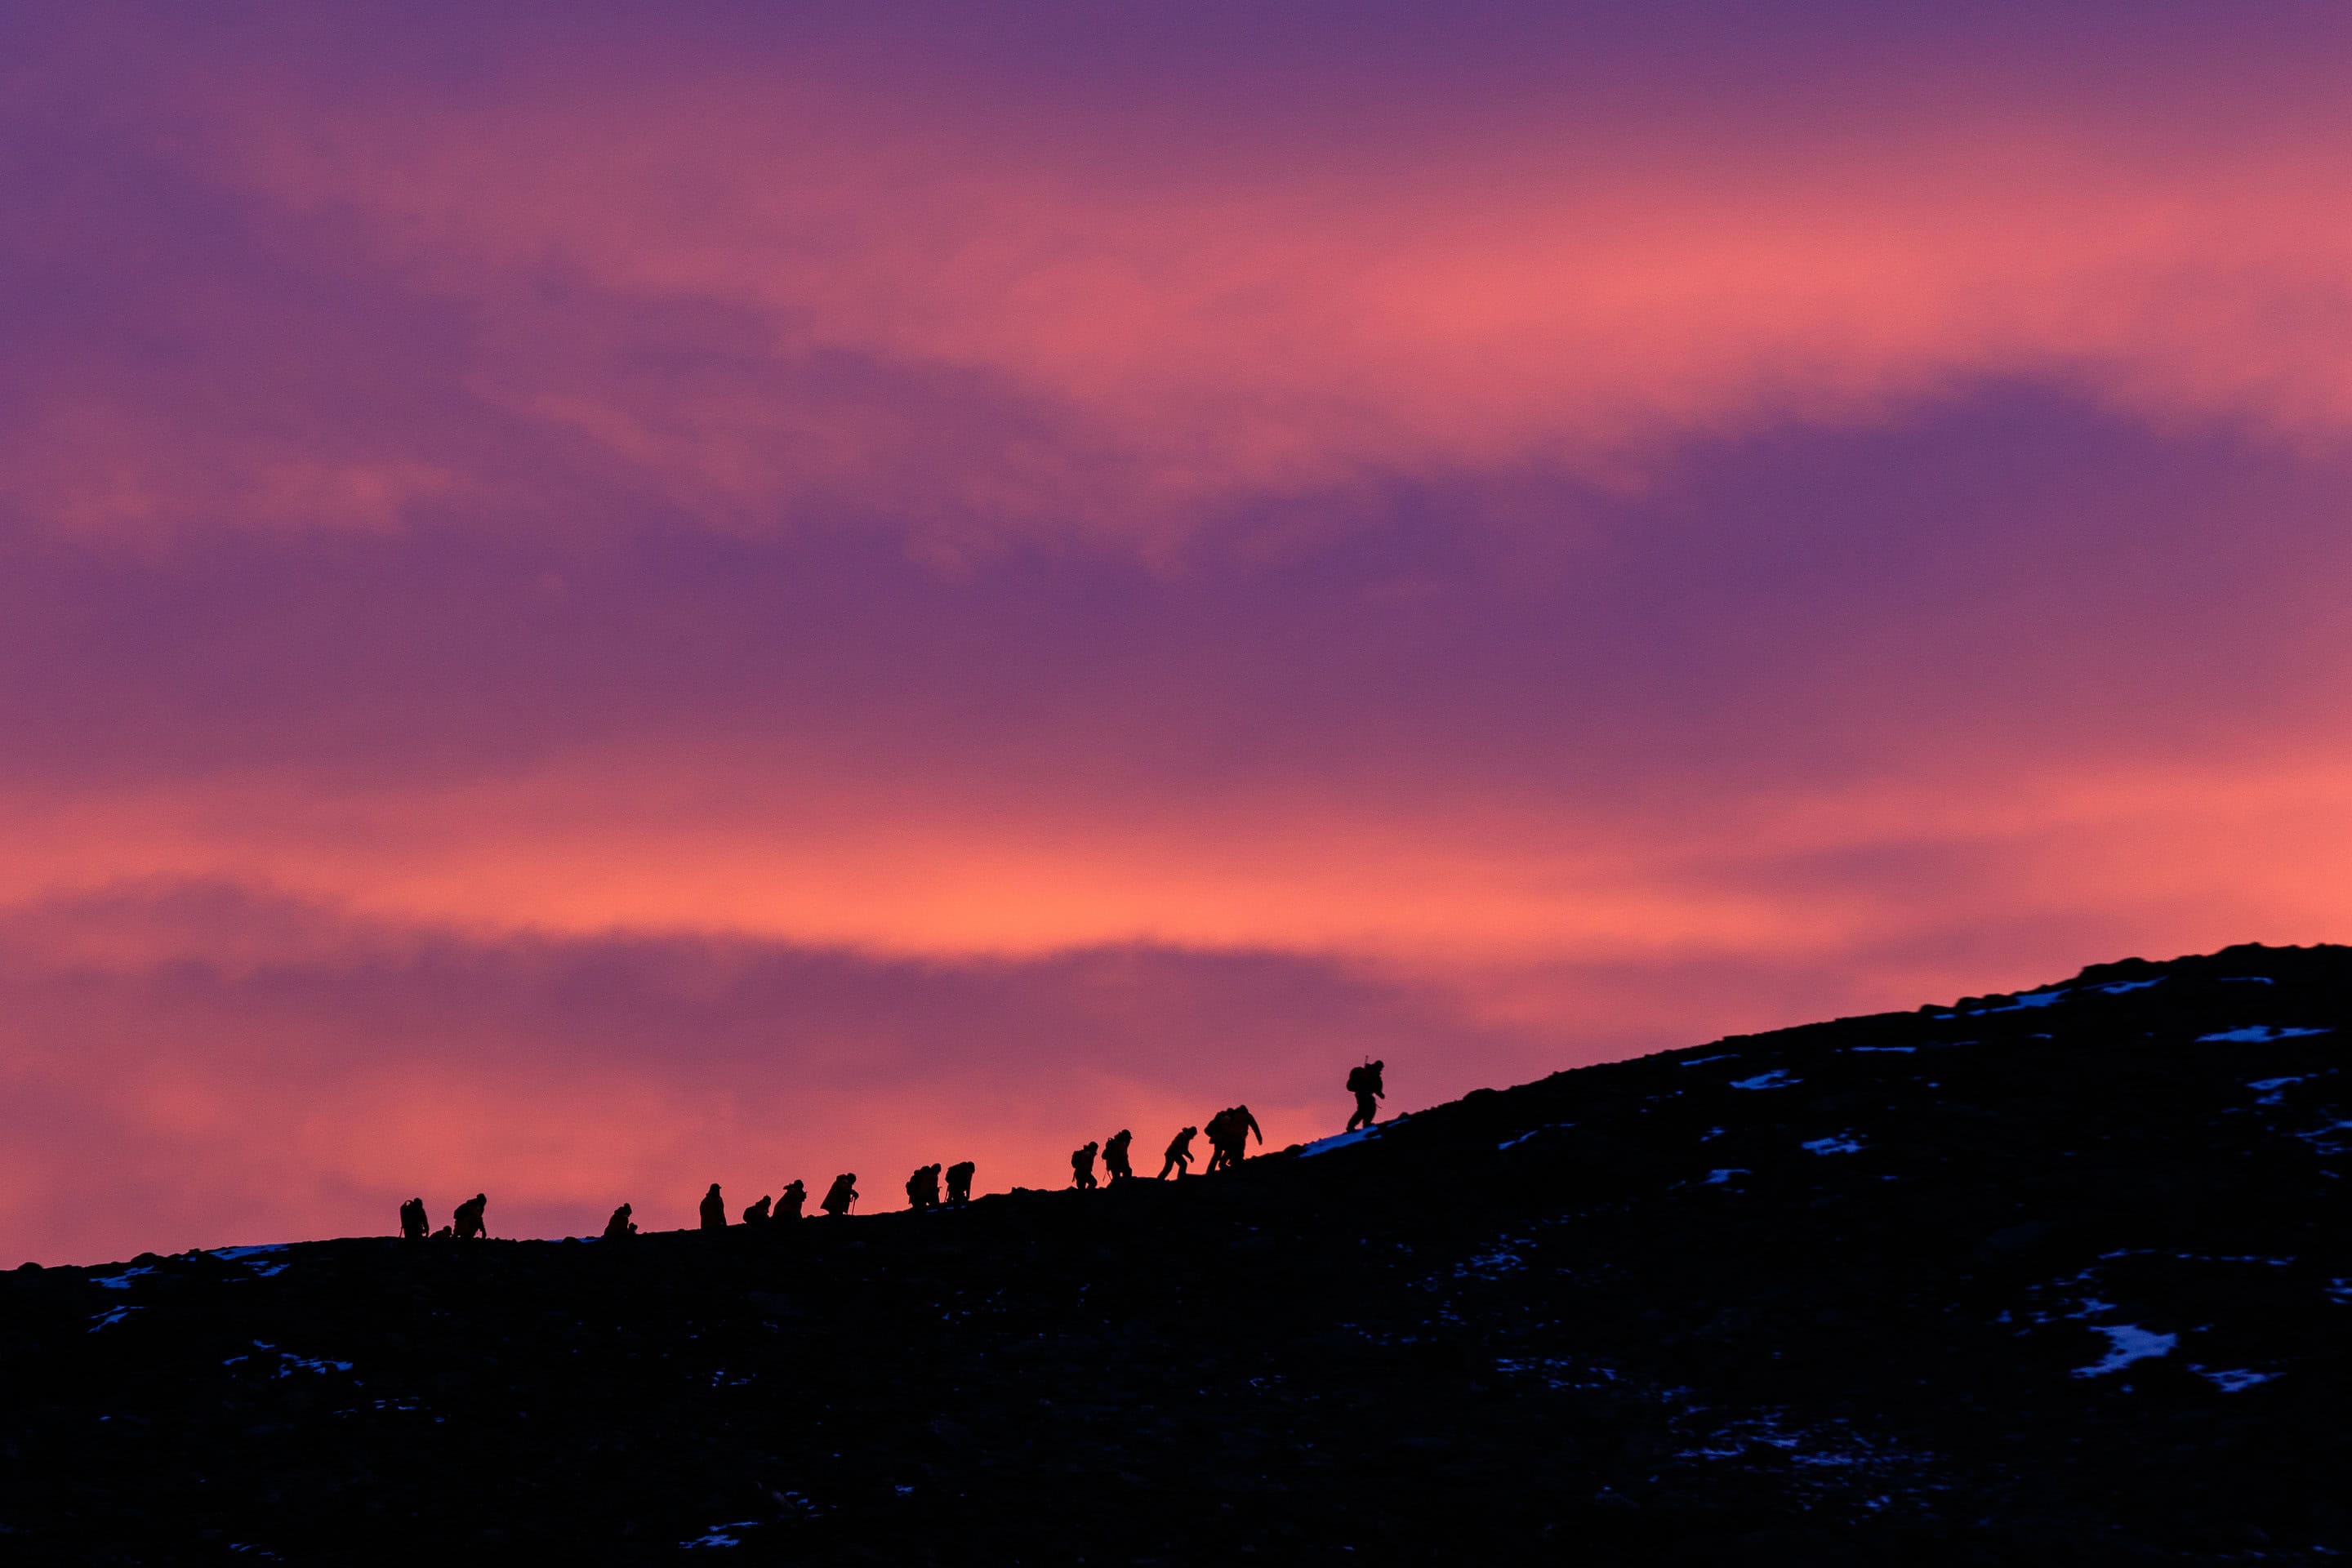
x=2036 y=1274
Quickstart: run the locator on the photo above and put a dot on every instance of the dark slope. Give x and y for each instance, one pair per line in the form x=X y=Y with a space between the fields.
x=1835 y=1294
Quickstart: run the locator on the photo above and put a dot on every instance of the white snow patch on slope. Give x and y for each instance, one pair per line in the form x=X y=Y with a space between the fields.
x=112 y=1316
x=2028 y=999
x=1339 y=1141
x=2256 y=1035
x=1905 y=1050
x=2127 y=1345
x=1777 y=1078
x=121 y=1281
x=1842 y=1143
x=256 y=1258
x=717 y=1535
x=2234 y=1379
x=2326 y=1138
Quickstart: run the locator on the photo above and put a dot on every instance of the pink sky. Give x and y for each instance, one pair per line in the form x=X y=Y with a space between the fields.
x=601 y=600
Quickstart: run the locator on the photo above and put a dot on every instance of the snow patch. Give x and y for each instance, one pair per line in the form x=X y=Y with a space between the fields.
x=1490 y=1265
x=1718 y=1178
x=1842 y=1143
x=1905 y=1050
x=2026 y=999
x=2256 y=1035
x=717 y=1535
x=108 y=1319
x=2325 y=1139
x=256 y=1258
x=1337 y=1140
x=1701 y=1061
x=2248 y=980
x=122 y=1281
x=2127 y=1344
x=1777 y=1078
x=291 y=1364
x=2232 y=1380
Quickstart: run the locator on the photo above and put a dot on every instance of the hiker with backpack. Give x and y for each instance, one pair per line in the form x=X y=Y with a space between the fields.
x=1113 y=1157
x=1364 y=1083
x=1180 y=1154
x=842 y=1196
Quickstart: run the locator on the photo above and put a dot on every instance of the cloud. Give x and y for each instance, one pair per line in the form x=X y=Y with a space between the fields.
x=764 y=287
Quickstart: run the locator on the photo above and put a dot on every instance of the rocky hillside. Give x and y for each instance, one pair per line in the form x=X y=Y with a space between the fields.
x=2058 y=1275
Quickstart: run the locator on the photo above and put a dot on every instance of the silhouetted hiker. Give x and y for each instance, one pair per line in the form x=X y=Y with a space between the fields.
x=413 y=1223
x=923 y=1188
x=1081 y=1167
x=1364 y=1083
x=1115 y=1156
x=714 y=1209
x=757 y=1213
x=960 y=1184
x=1229 y=1132
x=620 y=1228
x=839 y=1196
x=789 y=1201
x=1219 y=1129
x=470 y=1224
x=1180 y=1154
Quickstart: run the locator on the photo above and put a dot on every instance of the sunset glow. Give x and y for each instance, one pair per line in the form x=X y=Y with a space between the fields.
x=625 y=598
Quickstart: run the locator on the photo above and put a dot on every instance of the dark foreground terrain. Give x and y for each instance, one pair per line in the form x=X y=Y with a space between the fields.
x=2055 y=1278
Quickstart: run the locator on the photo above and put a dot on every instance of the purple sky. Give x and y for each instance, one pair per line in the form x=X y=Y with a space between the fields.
x=608 y=599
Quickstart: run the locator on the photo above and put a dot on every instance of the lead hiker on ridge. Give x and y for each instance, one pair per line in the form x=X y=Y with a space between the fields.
x=1364 y=1083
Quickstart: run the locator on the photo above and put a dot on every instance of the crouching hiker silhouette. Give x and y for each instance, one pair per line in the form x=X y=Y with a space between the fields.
x=413 y=1223
x=757 y=1213
x=1115 y=1156
x=1081 y=1167
x=620 y=1228
x=1364 y=1083
x=470 y=1224
x=1180 y=1154
x=789 y=1201
x=923 y=1188
x=1221 y=1140
x=960 y=1184
x=714 y=1209
x=1229 y=1132
x=840 y=1197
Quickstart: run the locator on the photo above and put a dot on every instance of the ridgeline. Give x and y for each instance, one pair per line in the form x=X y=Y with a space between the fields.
x=2057 y=1276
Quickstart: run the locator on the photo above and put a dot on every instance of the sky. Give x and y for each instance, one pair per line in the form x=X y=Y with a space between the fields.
x=604 y=598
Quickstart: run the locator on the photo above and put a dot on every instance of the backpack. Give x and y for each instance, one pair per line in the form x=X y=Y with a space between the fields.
x=1355 y=1076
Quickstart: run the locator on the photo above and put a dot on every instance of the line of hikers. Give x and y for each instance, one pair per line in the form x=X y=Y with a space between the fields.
x=1229 y=1132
